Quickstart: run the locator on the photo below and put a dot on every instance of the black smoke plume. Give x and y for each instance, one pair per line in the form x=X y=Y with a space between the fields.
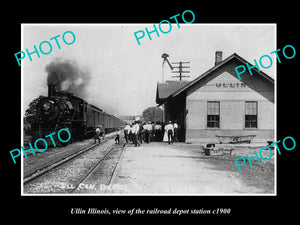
x=67 y=75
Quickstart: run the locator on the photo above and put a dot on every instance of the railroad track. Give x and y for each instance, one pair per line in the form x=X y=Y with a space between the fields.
x=32 y=174
x=97 y=171
x=51 y=157
x=44 y=170
x=87 y=168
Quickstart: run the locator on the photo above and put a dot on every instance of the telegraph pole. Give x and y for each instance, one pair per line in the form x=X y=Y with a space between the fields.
x=165 y=57
x=180 y=71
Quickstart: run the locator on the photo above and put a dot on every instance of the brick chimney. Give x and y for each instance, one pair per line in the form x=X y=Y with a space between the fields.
x=218 y=57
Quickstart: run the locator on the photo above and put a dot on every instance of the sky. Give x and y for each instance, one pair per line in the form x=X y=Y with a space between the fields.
x=122 y=74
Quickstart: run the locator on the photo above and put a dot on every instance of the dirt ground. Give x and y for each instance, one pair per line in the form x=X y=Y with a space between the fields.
x=159 y=168
x=260 y=175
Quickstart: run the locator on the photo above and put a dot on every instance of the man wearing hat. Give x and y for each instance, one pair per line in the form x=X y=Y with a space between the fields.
x=148 y=129
x=135 y=131
x=126 y=132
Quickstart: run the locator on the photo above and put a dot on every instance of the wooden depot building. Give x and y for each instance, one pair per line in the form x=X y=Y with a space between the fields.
x=217 y=103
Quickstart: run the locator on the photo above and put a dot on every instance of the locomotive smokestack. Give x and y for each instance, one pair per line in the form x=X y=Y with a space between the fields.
x=51 y=90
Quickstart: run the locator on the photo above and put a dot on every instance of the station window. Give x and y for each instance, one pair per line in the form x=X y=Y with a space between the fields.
x=251 y=114
x=213 y=114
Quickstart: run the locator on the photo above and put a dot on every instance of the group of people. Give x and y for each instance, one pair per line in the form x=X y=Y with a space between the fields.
x=139 y=132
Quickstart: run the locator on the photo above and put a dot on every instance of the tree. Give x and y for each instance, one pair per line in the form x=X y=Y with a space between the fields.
x=153 y=114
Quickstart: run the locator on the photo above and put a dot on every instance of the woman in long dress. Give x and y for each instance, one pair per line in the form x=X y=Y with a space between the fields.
x=165 y=139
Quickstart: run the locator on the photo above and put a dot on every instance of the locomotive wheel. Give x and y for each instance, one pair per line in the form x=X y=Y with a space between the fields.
x=65 y=136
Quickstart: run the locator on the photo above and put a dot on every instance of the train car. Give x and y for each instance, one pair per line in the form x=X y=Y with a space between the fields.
x=64 y=110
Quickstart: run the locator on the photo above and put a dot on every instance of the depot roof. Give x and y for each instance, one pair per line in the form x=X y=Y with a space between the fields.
x=174 y=88
x=164 y=90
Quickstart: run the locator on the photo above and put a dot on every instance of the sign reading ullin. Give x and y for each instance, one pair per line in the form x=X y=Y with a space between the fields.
x=230 y=85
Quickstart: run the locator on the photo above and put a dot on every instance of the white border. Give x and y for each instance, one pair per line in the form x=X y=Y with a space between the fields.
x=134 y=24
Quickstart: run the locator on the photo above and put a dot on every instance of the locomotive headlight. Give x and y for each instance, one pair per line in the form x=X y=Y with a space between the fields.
x=47 y=106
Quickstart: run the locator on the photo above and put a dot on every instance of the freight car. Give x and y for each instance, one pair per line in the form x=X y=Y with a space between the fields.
x=64 y=110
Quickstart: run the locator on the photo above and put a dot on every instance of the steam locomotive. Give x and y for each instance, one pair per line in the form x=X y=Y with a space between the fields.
x=64 y=110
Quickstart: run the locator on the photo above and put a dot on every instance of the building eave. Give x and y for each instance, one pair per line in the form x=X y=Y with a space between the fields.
x=234 y=55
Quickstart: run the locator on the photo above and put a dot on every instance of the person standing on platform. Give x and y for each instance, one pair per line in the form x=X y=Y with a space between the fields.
x=148 y=129
x=170 y=132
x=141 y=132
x=164 y=133
x=152 y=132
x=135 y=130
x=175 y=131
x=131 y=133
x=126 y=132
x=158 y=132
